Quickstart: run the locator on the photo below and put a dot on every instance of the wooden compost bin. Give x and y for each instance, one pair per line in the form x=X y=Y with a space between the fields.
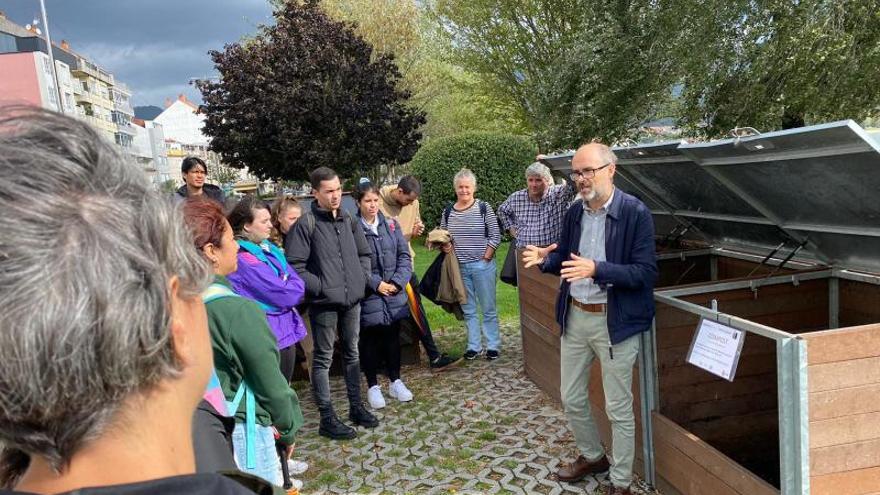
x=800 y=415
x=832 y=316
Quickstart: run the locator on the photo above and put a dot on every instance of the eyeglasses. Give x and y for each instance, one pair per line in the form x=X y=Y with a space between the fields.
x=587 y=173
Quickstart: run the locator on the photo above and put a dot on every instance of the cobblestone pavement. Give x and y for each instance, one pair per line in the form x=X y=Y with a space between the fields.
x=482 y=428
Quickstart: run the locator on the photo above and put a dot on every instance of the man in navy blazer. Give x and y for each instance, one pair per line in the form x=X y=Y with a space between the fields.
x=607 y=264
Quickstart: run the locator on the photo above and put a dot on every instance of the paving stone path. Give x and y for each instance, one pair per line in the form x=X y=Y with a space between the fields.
x=482 y=428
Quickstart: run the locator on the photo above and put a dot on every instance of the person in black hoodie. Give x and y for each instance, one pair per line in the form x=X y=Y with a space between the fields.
x=104 y=343
x=330 y=253
x=195 y=171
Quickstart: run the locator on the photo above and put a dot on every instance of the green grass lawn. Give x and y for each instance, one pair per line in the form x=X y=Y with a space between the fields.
x=449 y=331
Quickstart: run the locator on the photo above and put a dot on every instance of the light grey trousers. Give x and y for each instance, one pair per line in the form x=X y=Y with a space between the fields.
x=586 y=338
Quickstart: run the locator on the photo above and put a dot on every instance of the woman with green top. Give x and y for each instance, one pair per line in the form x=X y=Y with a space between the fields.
x=245 y=353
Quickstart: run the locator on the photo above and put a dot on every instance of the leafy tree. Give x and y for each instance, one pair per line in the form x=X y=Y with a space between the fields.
x=616 y=73
x=307 y=92
x=451 y=96
x=779 y=63
x=168 y=186
x=570 y=71
x=222 y=173
x=498 y=160
x=511 y=45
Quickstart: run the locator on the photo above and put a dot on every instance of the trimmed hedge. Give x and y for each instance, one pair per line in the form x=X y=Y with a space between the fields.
x=498 y=160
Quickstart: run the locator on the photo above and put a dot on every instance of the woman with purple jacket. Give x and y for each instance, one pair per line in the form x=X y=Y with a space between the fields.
x=264 y=276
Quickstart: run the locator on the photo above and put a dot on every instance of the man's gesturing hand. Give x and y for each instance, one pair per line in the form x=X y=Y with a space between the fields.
x=534 y=255
x=577 y=268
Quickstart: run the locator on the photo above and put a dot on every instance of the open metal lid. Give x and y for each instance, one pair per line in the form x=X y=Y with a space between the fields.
x=561 y=163
x=698 y=199
x=684 y=198
x=816 y=183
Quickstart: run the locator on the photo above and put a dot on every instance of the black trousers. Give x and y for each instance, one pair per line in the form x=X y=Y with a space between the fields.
x=378 y=344
x=288 y=361
x=212 y=440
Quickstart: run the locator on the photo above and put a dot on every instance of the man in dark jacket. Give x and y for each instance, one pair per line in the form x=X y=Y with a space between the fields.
x=330 y=253
x=605 y=257
x=194 y=172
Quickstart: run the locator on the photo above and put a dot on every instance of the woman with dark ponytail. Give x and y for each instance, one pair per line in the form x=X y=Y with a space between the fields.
x=385 y=303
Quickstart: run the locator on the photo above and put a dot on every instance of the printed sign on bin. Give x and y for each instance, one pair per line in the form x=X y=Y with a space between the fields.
x=716 y=348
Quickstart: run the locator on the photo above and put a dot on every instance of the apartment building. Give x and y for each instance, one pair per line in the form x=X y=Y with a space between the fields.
x=84 y=89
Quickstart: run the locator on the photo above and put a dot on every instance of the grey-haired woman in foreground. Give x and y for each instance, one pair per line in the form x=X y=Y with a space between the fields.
x=104 y=345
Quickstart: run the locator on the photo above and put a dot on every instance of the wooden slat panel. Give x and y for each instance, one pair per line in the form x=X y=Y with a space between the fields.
x=749 y=389
x=689 y=374
x=858 y=303
x=859 y=482
x=704 y=457
x=843 y=344
x=792 y=302
x=674 y=272
x=845 y=402
x=677 y=356
x=727 y=427
x=548 y=337
x=668 y=316
x=541 y=359
x=729 y=268
x=541 y=316
x=534 y=277
x=844 y=430
x=678 y=336
x=539 y=296
x=849 y=457
x=733 y=406
x=844 y=374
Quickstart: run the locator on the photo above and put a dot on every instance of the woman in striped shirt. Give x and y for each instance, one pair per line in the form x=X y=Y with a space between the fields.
x=475 y=236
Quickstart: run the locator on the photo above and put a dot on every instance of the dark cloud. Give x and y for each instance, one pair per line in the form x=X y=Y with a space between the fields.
x=154 y=46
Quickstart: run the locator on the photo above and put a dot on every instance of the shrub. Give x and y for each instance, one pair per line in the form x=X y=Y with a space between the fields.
x=498 y=160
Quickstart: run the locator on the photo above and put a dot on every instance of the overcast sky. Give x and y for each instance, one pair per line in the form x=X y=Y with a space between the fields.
x=154 y=46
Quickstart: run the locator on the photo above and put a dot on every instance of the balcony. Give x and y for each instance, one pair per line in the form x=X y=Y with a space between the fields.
x=84 y=68
x=126 y=129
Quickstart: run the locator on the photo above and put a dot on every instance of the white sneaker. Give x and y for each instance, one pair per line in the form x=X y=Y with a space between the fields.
x=399 y=391
x=374 y=397
x=295 y=467
x=297 y=484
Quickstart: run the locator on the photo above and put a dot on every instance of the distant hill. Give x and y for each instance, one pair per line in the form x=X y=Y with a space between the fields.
x=148 y=112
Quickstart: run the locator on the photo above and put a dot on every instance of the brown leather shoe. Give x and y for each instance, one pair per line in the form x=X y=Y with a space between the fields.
x=616 y=490
x=580 y=468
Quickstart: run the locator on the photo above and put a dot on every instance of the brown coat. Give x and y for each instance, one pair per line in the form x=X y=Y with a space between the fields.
x=451 y=293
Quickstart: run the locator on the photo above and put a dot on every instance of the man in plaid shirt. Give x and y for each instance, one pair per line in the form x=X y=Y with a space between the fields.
x=534 y=215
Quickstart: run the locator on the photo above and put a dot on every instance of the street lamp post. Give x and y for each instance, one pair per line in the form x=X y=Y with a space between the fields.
x=52 y=57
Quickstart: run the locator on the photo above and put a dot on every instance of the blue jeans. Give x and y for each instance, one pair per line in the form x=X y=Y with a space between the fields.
x=268 y=463
x=479 y=280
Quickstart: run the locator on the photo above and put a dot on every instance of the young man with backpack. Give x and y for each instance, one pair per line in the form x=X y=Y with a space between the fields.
x=330 y=253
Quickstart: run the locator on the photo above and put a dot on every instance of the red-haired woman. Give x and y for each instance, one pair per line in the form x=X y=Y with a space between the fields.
x=245 y=354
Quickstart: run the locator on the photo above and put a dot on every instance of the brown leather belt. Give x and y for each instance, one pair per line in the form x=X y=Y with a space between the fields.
x=590 y=308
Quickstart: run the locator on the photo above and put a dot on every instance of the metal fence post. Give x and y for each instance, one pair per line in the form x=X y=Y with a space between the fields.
x=794 y=445
x=648 y=388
